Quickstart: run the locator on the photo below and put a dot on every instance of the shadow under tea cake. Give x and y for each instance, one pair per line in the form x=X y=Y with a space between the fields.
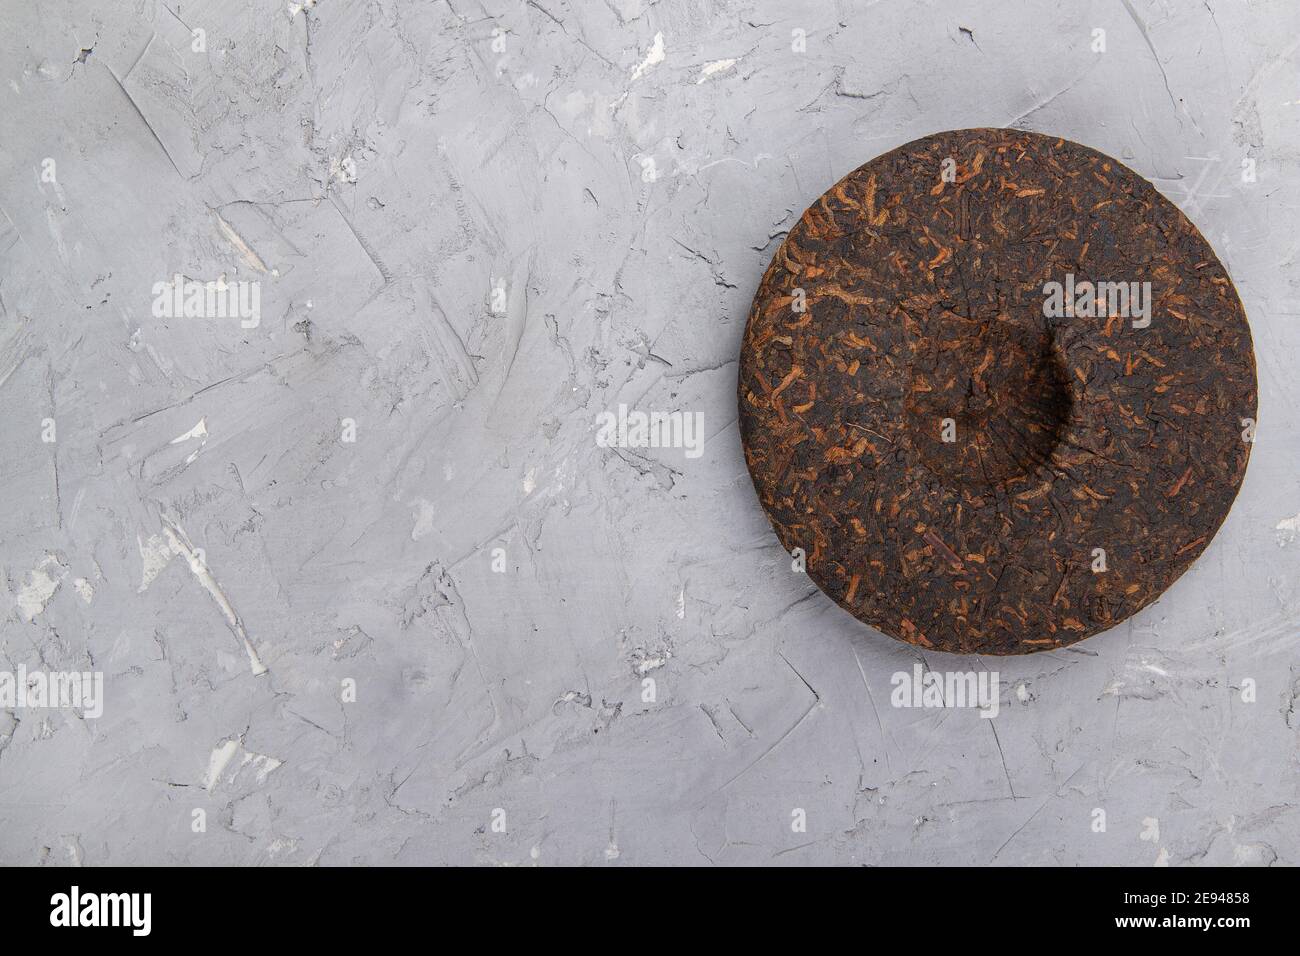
x=999 y=391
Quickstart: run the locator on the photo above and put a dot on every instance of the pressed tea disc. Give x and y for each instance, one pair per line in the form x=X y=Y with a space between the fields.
x=998 y=390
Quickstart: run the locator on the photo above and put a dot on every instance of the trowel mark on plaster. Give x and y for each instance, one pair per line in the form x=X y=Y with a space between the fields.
x=158 y=551
x=448 y=349
x=144 y=119
x=384 y=272
x=14 y=351
x=1265 y=70
x=516 y=310
x=449 y=611
x=1146 y=37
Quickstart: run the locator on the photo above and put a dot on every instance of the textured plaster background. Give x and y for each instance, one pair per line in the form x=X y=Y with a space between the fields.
x=624 y=170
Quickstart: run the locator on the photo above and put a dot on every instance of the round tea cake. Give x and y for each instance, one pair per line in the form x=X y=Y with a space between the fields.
x=998 y=390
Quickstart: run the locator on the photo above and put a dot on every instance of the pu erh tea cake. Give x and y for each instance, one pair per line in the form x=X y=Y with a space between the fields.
x=998 y=390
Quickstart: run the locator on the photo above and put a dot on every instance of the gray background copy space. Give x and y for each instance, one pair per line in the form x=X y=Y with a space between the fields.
x=623 y=171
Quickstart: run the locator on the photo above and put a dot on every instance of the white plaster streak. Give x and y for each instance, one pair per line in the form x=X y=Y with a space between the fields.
x=261 y=765
x=76 y=508
x=179 y=544
x=650 y=664
x=218 y=761
x=713 y=69
x=42 y=581
x=58 y=190
x=343 y=169
x=155 y=553
x=1287 y=529
x=198 y=431
x=424 y=515
x=758 y=158
x=236 y=240
x=652 y=58
x=56 y=232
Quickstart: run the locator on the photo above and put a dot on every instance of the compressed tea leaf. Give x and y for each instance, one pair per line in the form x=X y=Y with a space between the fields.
x=998 y=389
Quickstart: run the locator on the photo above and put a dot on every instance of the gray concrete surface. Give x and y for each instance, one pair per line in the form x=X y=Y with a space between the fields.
x=621 y=172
